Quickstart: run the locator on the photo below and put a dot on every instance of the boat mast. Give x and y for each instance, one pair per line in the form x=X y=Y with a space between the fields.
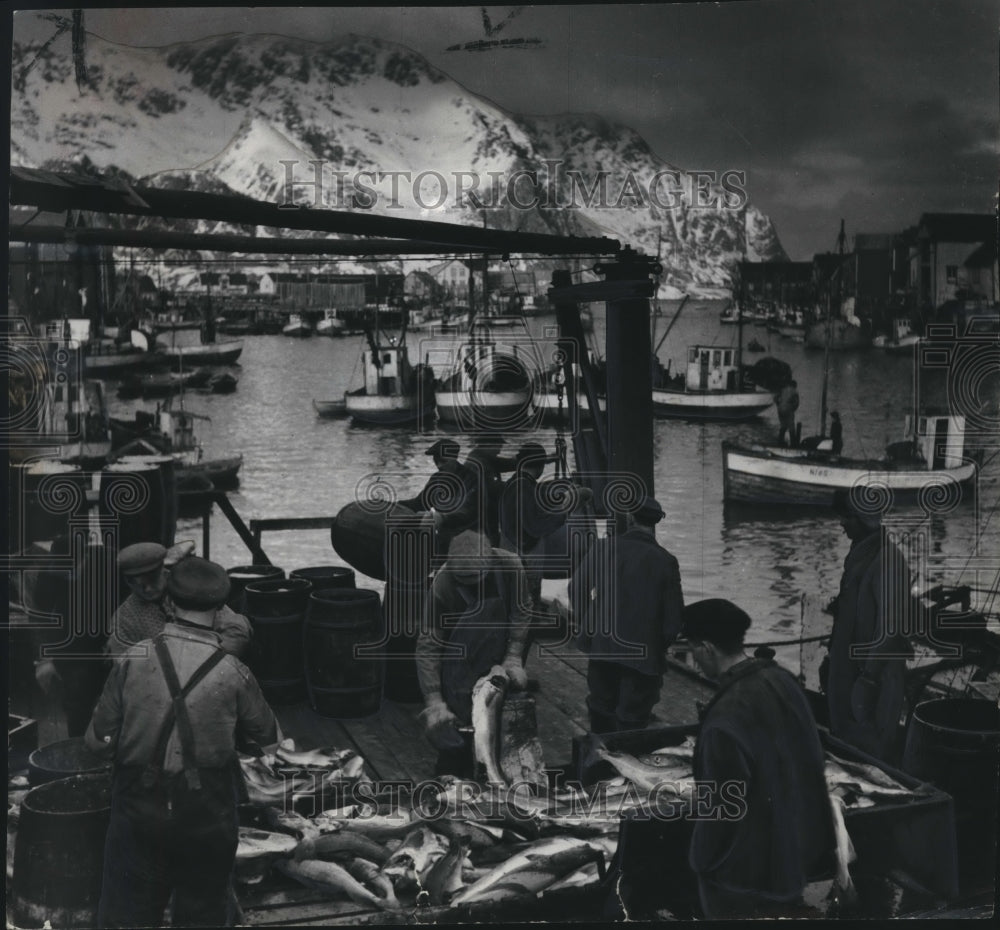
x=739 y=309
x=829 y=329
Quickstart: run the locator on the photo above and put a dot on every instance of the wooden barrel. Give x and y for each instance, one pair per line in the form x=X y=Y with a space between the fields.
x=167 y=468
x=343 y=678
x=276 y=610
x=134 y=493
x=63 y=759
x=322 y=577
x=243 y=575
x=44 y=496
x=358 y=535
x=59 y=852
x=954 y=743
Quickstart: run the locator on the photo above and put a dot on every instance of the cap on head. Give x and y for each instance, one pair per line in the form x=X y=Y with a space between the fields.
x=197 y=584
x=845 y=504
x=141 y=558
x=649 y=512
x=444 y=447
x=531 y=451
x=469 y=544
x=718 y=621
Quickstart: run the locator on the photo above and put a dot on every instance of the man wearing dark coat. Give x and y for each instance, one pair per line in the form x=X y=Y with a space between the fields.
x=627 y=602
x=866 y=681
x=759 y=750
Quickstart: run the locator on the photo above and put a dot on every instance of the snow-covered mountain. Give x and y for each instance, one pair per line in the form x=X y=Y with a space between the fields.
x=249 y=113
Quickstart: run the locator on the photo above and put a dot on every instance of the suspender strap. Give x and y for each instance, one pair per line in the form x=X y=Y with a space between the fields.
x=178 y=712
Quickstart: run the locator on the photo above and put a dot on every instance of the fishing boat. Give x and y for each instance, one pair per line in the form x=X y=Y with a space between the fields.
x=103 y=356
x=77 y=414
x=394 y=392
x=841 y=334
x=489 y=384
x=330 y=409
x=158 y=384
x=902 y=341
x=210 y=353
x=330 y=325
x=296 y=327
x=170 y=431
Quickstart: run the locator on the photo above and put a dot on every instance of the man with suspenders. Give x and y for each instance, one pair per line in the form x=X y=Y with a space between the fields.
x=170 y=716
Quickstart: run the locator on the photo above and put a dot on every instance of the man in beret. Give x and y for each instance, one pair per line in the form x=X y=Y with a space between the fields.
x=173 y=827
x=146 y=568
x=477 y=618
x=866 y=672
x=626 y=600
x=766 y=829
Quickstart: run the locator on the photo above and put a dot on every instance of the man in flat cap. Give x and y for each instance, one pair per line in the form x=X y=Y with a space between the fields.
x=486 y=466
x=444 y=494
x=767 y=830
x=626 y=600
x=477 y=618
x=170 y=719
x=146 y=568
x=866 y=675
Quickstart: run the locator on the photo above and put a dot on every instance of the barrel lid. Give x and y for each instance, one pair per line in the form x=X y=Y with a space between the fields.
x=77 y=794
x=52 y=467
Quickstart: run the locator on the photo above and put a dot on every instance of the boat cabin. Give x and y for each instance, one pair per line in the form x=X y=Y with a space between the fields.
x=901 y=327
x=712 y=368
x=939 y=440
x=388 y=373
x=177 y=426
x=75 y=332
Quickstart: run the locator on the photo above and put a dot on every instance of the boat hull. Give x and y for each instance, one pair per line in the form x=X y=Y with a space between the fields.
x=724 y=405
x=225 y=353
x=499 y=408
x=223 y=473
x=387 y=410
x=330 y=409
x=841 y=336
x=760 y=476
x=547 y=408
x=110 y=366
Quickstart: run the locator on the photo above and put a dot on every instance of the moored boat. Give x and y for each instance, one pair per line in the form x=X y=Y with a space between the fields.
x=489 y=386
x=209 y=353
x=296 y=327
x=928 y=463
x=712 y=389
x=330 y=325
x=837 y=334
x=902 y=340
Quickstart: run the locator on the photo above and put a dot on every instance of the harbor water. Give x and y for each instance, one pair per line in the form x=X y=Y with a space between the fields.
x=298 y=465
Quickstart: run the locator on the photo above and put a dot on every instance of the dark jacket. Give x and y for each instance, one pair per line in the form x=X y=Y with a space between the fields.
x=759 y=731
x=524 y=519
x=627 y=601
x=865 y=692
x=484 y=487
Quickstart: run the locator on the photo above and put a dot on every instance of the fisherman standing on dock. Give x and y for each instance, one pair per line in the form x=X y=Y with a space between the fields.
x=142 y=615
x=866 y=677
x=757 y=736
x=171 y=723
x=627 y=603
x=475 y=621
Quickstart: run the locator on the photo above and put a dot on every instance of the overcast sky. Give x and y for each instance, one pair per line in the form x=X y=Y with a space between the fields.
x=870 y=110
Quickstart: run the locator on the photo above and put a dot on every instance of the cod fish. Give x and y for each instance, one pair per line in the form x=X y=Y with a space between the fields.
x=487 y=699
x=643 y=775
x=332 y=879
x=257 y=850
x=329 y=758
x=341 y=845
x=479 y=835
x=845 y=850
x=839 y=776
x=444 y=878
x=379 y=827
x=369 y=874
x=291 y=822
x=420 y=848
x=532 y=870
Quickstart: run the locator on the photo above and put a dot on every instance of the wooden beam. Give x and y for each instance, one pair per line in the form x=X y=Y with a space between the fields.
x=49 y=191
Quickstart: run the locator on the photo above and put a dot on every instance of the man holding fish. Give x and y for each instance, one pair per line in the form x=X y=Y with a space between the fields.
x=170 y=719
x=758 y=735
x=627 y=603
x=477 y=619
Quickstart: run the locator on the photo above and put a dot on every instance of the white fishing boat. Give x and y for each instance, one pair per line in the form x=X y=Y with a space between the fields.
x=189 y=357
x=296 y=327
x=489 y=385
x=105 y=357
x=331 y=324
x=902 y=341
x=394 y=392
x=928 y=462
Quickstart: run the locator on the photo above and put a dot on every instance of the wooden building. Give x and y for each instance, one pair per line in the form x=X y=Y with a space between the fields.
x=954 y=255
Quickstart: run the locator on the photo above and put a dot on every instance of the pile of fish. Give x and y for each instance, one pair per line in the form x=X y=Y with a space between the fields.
x=289 y=775
x=400 y=860
x=858 y=784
